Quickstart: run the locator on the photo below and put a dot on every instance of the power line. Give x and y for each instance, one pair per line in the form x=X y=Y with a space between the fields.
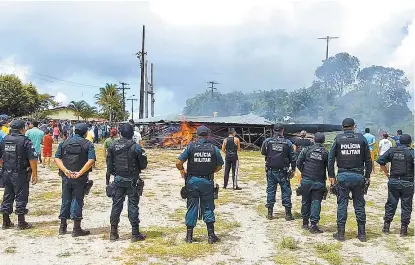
x=123 y=88
x=211 y=86
x=132 y=106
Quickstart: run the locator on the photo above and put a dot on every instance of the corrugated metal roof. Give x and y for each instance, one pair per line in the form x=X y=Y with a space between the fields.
x=250 y=119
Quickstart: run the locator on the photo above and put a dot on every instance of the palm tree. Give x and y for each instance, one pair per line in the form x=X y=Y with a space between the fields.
x=110 y=100
x=88 y=111
x=77 y=107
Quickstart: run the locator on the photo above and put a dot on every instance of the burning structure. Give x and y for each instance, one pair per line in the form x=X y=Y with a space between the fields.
x=177 y=131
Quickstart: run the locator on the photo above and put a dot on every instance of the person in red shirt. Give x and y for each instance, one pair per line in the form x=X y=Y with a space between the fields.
x=47 y=148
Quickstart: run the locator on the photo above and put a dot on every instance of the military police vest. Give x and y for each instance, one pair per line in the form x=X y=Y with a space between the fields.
x=350 y=151
x=301 y=144
x=202 y=159
x=402 y=162
x=277 y=156
x=14 y=153
x=125 y=158
x=231 y=148
x=75 y=153
x=315 y=163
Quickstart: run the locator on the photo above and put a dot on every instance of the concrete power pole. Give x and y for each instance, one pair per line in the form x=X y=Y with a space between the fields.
x=211 y=86
x=141 y=56
x=146 y=89
x=152 y=88
x=325 y=107
x=123 y=88
x=132 y=106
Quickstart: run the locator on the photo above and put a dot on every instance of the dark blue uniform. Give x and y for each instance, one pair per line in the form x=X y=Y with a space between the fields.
x=16 y=150
x=73 y=190
x=200 y=186
x=400 y=184
x=279 y=156
x=312 y=163
x=125 y=161
x=351 y=151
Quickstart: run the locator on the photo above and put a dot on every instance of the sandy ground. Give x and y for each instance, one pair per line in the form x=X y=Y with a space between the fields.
x=247 y=236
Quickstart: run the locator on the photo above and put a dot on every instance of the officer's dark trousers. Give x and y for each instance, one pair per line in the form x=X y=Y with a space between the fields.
x=399 y=189
x=73 y=193
x=16 y=188
x=199 y=189
x=312 y=194
x=354 y=183
x=275 y=177
x=125 y=187
x=230 y=164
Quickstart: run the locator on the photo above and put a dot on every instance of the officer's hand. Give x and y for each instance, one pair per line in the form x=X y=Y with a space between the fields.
x=183 y=173
x=292 y=174
x=34 y=179
x=76 y=175
x=332 y=181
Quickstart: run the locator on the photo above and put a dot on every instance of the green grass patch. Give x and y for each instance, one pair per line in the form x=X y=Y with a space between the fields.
x=42 y=229
x=393 y=244
x=284 y=258
x=10 y=250
x=64 y=254
x=330 y=252
x=42 y=212
x=149 y=194
x=289 y=243
x=357 y=261
x=47 y=196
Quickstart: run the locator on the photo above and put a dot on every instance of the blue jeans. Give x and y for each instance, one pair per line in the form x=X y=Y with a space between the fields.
x=73 y=193
x=199 y=189
x=275 y=177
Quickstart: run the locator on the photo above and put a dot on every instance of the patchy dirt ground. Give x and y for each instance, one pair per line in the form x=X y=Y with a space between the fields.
x=247 y=236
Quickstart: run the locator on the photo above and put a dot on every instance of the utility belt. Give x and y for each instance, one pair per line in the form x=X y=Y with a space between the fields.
x=284 y=169
x=406 y=178
x=208 y=177
x=136 y=183
x=351 y=170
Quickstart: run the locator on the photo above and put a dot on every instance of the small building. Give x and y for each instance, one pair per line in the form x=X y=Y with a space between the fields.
x=64 y=113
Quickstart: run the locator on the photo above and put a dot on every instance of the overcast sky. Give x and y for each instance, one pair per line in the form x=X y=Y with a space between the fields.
x=243 y=45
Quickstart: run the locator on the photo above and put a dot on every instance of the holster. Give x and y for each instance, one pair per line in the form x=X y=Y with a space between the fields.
x=325 y=192
x=140 y=187
x=333 y=189
x=183 y=190
x=29 y=174
x=298 y=190
x=216 y=192
x=367 y=183
x=88 y=185
x=1 y=178
x=110 y=190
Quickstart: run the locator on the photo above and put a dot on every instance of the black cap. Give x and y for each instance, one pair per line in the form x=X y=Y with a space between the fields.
x=348 y=122
x=126 y=130
x=405 y=139
x=278 y=127
x=17 y=125
x=232 y=130
x=81 y=128
x=202 y=131
x=319 y=138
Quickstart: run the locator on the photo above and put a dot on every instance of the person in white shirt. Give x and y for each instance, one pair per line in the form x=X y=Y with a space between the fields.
x=137 y=135
x=384 y=145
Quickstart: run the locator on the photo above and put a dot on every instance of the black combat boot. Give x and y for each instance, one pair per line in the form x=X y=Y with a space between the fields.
x=212 y=238
x=63 y=228
x=7 y=223
x=404 y=230
x=305 y=223
x=77 y=230
x=136 y=235
x=270 y=212
x=314 y=229
x=361 y=232
x=340 y=233
x=114 y=236
x=386 y=228
x=22 y=224
x=288 y=214
x=189 y=235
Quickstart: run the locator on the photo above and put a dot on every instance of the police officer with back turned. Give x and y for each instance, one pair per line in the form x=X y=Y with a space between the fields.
x=203 y=160
x=279 y=155
x=74 y=157
x=19 y=158
x=351 y=151
x=401 y=182
x=125 y=161
x=312 y=163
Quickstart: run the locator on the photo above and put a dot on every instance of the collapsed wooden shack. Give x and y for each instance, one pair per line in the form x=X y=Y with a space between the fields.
x=176 y=131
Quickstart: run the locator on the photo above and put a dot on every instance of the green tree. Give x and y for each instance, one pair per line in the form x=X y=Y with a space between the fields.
x=109 y=99
x=77 y=107
x=88 y=111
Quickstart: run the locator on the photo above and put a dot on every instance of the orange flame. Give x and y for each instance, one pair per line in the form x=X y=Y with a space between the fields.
x=182 y=137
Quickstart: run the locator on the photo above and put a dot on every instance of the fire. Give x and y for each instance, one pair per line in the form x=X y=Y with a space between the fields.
x=182 y=137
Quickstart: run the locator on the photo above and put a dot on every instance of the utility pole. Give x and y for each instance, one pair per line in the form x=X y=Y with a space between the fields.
x=152 y=88
x=325 y=107
x=123 y=88
x=132 y=106
x=211 y=86
x=141 y=56
x=146 y=91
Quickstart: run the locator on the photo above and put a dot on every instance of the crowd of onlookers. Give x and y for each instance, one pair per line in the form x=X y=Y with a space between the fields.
x=45 y=133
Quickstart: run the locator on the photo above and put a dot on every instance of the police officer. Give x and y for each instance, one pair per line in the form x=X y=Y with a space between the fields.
x=74 y=157
x=203 y=160
x=279 y=155
x=401 y=182
x=230 y=147
x=351 y=151
x=312 y=163
x=125 y=161
x=18 y=158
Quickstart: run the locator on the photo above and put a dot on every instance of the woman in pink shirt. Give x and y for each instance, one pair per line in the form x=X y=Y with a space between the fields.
x=56 y=133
